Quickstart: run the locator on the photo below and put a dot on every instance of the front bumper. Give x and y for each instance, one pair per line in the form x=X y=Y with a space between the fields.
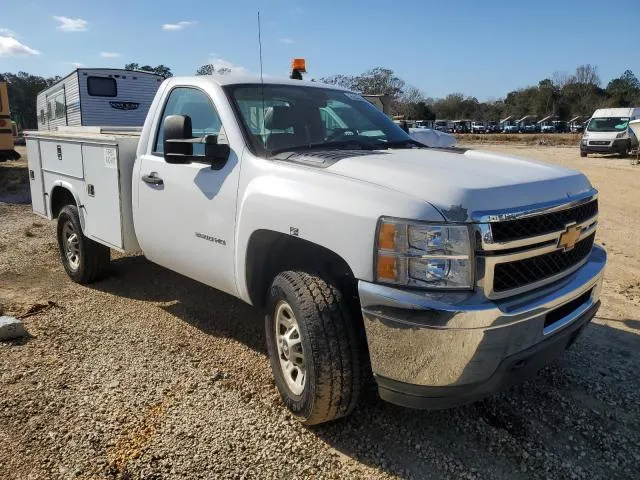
x=439 y=350
x=613 y=146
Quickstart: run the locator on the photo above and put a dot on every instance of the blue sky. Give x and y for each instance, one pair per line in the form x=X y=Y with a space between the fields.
x=484 y=49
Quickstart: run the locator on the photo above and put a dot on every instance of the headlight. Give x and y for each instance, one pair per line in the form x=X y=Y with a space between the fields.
x=423 y=255
x=621 y=135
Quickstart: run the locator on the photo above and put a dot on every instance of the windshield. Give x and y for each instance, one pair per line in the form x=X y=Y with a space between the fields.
x=608 y=124
x=289 y=117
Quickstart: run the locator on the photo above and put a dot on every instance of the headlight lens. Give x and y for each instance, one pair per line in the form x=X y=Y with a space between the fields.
x=621 y=135
x=423 y=255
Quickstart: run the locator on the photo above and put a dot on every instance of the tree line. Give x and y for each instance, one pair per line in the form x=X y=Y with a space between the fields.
x=563 y=95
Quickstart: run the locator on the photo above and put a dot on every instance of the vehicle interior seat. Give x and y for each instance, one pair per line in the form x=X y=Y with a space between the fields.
x=292 y=126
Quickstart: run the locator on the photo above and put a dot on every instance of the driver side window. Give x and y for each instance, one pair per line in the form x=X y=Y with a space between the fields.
x=197 y=105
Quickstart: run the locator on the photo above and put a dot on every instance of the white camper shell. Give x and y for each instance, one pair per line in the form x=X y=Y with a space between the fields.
x=90 y=97
x=608 y=132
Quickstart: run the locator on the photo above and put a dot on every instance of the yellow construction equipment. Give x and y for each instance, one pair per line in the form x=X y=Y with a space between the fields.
x=6 y=127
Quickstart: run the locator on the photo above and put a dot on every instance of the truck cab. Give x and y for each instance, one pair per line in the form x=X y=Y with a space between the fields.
x=451 y=272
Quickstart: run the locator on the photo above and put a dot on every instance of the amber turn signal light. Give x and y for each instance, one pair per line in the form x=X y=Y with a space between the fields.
x=387 y=267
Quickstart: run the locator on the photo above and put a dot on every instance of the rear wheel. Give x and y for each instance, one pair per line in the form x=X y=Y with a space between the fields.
x=583 y=154
x=84 y=260
x=313 y=347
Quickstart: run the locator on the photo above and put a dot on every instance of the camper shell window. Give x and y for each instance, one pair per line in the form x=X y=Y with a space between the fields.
x=60 y=107
x=102 y=87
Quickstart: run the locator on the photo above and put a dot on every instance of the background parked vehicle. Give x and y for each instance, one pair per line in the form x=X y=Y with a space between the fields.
x=478 y=127
x=8 y=130
x=444 y=126
x=461 y=126
x=608 y=132
x=576 y=124
x=97 y=96
x=493 y=127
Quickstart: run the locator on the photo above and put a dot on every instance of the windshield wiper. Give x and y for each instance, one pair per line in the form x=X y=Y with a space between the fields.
x=341 y=145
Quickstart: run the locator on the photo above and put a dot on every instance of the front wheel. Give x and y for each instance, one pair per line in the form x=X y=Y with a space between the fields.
x=313 y=347
x=84 y=260
x=583 y=154
x=624 y=151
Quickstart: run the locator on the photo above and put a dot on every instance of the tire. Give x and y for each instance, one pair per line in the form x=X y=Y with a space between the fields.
x=583 y=154
x=624 y=153
x=84 y=260
x=328 y=383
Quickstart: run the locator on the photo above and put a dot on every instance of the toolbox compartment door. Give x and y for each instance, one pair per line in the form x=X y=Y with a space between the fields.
x=62 y=157
x=103 y=220
x=35 y=177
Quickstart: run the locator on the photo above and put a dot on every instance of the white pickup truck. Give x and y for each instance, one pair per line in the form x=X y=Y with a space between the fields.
x=447 y=273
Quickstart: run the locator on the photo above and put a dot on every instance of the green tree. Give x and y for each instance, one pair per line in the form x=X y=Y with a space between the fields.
x=23 y=89
x=162 y=70
x=624 y=91
x=377 y=81
x=210 y=69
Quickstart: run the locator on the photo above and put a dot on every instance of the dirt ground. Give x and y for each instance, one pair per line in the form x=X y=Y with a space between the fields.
x=149 y=375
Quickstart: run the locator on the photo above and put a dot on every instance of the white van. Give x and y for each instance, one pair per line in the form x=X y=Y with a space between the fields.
x=608 y=132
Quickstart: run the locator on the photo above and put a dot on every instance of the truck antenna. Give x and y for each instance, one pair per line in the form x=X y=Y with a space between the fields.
x=260 y=45
x=264 y=110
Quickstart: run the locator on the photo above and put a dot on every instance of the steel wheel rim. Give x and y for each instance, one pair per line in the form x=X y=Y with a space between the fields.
x=71 y=245
x=290 y=351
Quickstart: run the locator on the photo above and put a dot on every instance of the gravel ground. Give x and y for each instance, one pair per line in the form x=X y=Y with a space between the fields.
x=149 y=375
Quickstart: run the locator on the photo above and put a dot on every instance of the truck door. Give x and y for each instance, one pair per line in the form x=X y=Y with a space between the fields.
x=185 y=218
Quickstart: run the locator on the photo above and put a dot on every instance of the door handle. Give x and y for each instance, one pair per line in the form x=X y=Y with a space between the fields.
x=152 y=179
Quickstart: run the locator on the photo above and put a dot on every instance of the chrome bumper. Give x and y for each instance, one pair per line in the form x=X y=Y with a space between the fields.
x=452 y=340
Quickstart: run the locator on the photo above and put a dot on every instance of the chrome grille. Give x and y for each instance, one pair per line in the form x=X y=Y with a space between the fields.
x=518 y=250
x=511 y=230
x=512 y=275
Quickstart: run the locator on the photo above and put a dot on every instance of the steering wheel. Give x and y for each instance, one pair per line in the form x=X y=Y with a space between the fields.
x=340 y=132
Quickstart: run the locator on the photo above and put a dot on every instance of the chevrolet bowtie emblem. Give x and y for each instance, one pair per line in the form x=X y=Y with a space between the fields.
x=569 y=237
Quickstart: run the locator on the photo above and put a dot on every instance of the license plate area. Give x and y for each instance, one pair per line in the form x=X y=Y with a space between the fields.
x=564 y=311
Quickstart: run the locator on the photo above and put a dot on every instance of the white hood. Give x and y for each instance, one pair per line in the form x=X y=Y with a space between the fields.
x=463 y=183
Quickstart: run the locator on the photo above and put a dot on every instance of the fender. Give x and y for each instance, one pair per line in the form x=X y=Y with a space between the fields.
x=329 y=210
x=67 y=186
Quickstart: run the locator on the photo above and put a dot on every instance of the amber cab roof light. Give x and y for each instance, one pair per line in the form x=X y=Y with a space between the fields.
x=299 y=64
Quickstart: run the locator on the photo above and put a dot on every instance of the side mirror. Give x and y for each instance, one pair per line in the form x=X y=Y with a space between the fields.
x=216 y=153
x=178 y=139
x=179 y=142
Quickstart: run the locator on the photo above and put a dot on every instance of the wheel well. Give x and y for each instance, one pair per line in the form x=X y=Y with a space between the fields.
x=60 y=197
x=269 y=253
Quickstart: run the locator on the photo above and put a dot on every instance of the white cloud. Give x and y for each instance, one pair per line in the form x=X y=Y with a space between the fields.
x=288 y=41
x=5 y=32
x=76 y=64
x=10 y=47
x=109 y=54
x=71 y=24
x=177 y=26
x=219 y=63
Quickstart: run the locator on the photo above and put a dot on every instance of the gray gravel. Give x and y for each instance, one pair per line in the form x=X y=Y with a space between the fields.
x=148 y=375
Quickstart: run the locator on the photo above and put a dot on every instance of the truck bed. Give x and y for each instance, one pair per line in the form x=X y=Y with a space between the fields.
x=96 y=165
